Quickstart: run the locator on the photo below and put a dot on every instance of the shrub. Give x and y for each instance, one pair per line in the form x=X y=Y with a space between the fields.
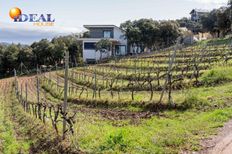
x=115 y=142
x=192 y=100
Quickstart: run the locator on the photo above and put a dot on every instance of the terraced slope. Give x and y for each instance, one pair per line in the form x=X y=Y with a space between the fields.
x=115 y=107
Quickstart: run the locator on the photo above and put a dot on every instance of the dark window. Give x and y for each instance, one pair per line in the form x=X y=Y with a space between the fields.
x=107 y=34
x=89 y=46
x=120 y=49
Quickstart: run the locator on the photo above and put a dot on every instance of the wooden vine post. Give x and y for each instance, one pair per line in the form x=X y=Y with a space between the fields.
x=168 y=78
x=15 y=78
x=26 y=93
x=38 y=113
x=95 y=82
x=65 y=92
x=37 y=85
x=21 y=92
x=57 y=79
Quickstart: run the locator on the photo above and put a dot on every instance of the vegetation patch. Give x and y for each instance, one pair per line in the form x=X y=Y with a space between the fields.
x=216 y=76
x=193 y=101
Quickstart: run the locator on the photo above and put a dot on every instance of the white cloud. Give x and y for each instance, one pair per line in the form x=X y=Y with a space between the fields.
x=29 y=27
x=221 y=2
x=27 y=33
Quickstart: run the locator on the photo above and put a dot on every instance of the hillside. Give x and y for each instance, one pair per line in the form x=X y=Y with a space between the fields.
x=164 y=102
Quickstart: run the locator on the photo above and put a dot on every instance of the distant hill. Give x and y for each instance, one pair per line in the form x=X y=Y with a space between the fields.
x=4 y=43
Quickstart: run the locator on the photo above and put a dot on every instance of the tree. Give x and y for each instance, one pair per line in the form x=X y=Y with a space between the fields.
x=230 y=12
x=169 y=32
x=132 y=33
x=217 y=21
x=42 y=52
x=25 y=55
x=195 y=27
x=59 y=49
x=209 y=22
x=85 y=35
x=104 y=45
x=141 y=33
x=230 y=4
x=70 y=43
x=9 y=58
x=148 y=33
x=223 y=21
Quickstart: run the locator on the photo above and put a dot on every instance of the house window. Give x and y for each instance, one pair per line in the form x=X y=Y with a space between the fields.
x=120 y=49
x=89 y=46
x=107 y=34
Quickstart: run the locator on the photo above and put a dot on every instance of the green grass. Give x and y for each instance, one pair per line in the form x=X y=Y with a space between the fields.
x=206 y=98
x=209 y=108
x=168 y=134
x=9 y=143
x=219 y=41
x=173 y=131
x=217 y=75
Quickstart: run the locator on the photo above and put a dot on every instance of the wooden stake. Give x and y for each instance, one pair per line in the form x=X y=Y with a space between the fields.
x=65 y=91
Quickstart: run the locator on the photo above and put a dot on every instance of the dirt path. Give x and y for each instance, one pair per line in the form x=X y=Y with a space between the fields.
x=32 y=89
x=220 y=144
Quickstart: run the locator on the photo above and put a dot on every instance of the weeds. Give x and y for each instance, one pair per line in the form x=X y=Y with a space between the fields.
x=216 y=76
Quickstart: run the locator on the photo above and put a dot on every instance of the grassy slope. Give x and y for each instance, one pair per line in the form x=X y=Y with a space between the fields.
x=168 y=134
x=172 y=131
x=10 y=142
x=219 y=41
x=20 y=132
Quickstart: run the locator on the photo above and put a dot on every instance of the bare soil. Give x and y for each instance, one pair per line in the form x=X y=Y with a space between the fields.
x=219 y=144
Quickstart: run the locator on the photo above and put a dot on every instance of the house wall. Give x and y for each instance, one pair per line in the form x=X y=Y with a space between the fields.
x=196 y=16
x=98 y=32
x=93 y=54
x=119 y=35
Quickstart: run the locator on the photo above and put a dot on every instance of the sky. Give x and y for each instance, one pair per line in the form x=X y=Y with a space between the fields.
x=71 y=15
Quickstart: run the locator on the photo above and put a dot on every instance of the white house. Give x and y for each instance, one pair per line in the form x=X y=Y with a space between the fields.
x=98 y=32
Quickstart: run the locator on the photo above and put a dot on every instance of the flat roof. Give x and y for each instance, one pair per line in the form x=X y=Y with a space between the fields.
x=100 y=26
x=200 y=10
x=96 y=39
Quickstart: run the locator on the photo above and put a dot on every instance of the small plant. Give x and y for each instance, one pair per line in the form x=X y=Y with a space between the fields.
x=115 y=142
x=192 y=100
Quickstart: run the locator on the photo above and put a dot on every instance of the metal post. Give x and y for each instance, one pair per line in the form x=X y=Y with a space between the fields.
x=65 y=91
